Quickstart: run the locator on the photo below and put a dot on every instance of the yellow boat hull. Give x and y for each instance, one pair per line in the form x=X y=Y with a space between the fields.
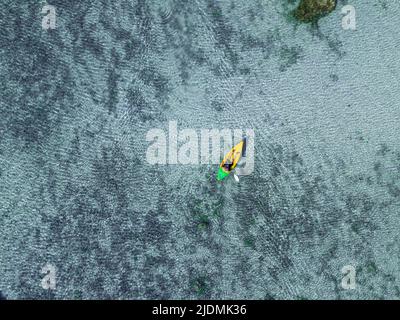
x=230 y=160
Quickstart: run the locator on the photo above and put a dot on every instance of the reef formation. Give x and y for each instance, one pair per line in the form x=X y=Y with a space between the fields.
x=312 y=10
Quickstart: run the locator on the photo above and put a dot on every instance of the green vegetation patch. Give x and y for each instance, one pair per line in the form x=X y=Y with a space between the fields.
x=371 y=267
x=199 y=286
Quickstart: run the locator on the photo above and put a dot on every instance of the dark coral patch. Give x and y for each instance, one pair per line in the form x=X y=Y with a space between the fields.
x=312 y=10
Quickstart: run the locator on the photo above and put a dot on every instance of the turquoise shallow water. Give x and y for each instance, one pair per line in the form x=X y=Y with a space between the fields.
x=77 y=192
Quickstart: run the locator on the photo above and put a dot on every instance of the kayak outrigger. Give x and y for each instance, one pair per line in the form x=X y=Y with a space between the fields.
x=231 y=159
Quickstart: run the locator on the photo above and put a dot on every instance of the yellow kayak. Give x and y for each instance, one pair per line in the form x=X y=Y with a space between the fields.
x=231 y=159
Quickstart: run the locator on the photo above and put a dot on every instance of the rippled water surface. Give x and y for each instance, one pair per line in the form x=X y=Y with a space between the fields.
x=76 y=191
